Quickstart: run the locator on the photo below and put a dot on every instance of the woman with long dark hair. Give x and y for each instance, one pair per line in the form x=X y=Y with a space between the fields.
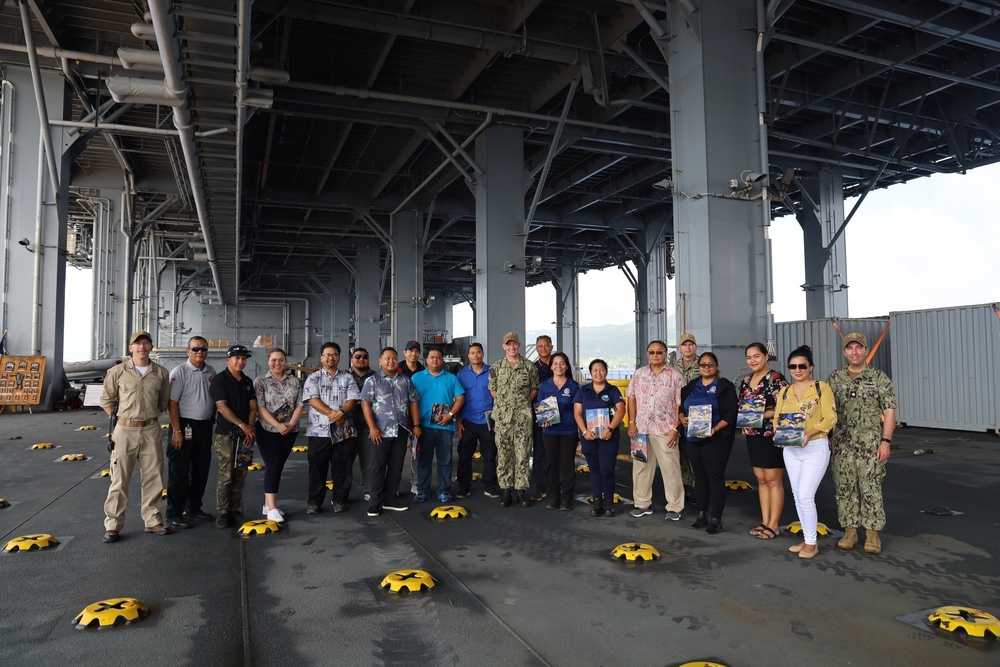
x=803 y=416
x=279 y=400
x=760 y=388
x=708 y=410
x=560 y=439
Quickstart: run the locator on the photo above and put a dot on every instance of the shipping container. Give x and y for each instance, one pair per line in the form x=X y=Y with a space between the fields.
x=827 y=344
x=947 y=367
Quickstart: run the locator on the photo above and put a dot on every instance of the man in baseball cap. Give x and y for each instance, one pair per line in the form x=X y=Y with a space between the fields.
x=236 y=403
x=238 y=351
x=859 y=447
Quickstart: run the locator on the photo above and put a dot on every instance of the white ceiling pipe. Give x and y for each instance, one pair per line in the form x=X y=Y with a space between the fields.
x=165 y=28
x=268 y=75
x=140 y=60
x=141 y=91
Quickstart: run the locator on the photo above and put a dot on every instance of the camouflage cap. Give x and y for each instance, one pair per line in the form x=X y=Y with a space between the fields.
x=855 y=338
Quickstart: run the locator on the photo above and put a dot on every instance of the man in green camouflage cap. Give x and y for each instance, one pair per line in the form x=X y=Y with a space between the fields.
x=513 y=382
x=687 y=365
x=866 y=418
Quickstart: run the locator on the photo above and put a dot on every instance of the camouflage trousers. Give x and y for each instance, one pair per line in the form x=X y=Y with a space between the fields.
x=687 y=472
x=514 y=442
x=857 y=479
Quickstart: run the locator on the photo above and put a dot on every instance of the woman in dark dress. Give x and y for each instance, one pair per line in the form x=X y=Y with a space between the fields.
x=767 y=461
x=709 y=449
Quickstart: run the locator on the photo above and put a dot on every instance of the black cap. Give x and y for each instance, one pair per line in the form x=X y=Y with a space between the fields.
x=238 y=351
x=412 y=345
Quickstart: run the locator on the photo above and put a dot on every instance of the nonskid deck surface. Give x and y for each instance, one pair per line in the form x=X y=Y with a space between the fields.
x=514 y=586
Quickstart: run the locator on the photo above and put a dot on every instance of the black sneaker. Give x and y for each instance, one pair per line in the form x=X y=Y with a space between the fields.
x=110 y=536
x=463 y=494
x=224 y=520
x=374 y=511
x=339 y=506
x=198 y=515
x=179 y=522
x=490 y=493
x=312 y=509
x=394 y=506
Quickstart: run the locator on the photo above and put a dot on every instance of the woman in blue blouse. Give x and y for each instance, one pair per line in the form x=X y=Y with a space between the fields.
x=560 y=439
x=709 y=450
x=601 y=449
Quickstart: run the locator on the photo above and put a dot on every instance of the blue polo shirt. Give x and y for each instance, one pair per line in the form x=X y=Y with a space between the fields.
x=441 y=388
x=478 y=398
x=564 y=399
x=609 y=398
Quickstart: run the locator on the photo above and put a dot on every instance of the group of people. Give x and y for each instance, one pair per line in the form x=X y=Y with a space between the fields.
x=685 y=414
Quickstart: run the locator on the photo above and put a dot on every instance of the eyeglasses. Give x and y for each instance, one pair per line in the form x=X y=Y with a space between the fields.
x=707 y=365
x=328 y=355
x=360 y=356
x=199 y=349
x=655 y=352
x=798 y=367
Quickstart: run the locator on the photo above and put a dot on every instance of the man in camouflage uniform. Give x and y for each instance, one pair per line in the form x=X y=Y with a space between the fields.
x=514 y=384
x=686 y=365
x=859 y=448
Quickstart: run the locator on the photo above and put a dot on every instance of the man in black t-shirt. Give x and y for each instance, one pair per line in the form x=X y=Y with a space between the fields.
x=236 y=403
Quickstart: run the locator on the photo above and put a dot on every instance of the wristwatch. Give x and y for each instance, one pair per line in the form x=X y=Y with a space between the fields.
x=451 y=414
x=886 y=440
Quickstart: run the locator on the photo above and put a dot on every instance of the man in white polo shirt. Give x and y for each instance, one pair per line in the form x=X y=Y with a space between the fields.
x=189 y=454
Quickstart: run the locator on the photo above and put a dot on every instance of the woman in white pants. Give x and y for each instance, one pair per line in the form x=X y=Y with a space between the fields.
x=805 y=413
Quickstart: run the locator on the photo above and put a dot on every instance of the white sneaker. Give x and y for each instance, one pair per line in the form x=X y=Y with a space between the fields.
x=276 y=516
x=266 y=511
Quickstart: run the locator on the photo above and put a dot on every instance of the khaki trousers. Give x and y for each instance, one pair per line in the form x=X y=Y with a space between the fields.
x=670 y=467
x=142 y=446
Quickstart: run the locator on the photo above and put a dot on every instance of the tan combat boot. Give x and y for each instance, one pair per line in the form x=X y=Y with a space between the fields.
x=872 y=544
x=849 y=540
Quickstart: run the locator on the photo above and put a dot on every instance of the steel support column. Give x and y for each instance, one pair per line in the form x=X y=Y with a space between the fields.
x=437 y=314
x=34 y=261
x=720 y=240
x=407 y=277
x=340 y=304
x=368 y=297
x=499 y=237
x=826 y=268
x=651 y=291
x=568 y=315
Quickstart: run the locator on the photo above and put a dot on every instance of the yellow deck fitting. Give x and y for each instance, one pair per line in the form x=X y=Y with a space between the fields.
x=477 y=476
x=737 y=485
x=449 y=512
x=87 y=428
x=617 y=499
x=974 y=622
x=164 y=425
x=300 y=448
x=635 y=551
x=73 y=457
x=106 y=472
x=111 y=613
x=255 y=466
x=796 y=528
x=163 y=493
x=477 y=456
x=408 y=581
x=583 y=470
x=43 y=445
x=329 y=484
x=30 y=543
x=259 y=527
x=4 y=504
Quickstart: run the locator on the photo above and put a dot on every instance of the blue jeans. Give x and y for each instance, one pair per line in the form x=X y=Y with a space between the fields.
x=434 y=441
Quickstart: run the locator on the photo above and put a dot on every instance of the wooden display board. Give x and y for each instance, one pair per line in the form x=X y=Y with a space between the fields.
x=21 y=380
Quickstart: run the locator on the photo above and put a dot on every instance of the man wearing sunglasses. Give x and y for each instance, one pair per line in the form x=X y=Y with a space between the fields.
x=189 y=455
x=361 y=371
x=859 y=447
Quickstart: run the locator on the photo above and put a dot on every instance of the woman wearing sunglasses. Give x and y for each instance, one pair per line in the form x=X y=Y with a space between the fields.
x=803 y=416
x=761 y=388
x=708 y=411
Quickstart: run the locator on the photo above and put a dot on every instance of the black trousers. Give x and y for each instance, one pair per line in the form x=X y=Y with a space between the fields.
x=538 y=467
x=481 y=435
x=274 y=449
x=387 y=470
x=708 y=460
x=335 y=458
x=187 y=468
x=560 y=464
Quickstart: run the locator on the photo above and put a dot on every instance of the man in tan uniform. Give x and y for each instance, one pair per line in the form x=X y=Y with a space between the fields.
x=141 y=388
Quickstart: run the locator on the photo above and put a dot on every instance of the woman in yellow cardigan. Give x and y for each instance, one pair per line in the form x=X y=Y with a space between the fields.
x=804 y=415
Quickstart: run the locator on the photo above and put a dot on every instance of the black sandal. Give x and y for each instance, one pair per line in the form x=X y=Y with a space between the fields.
x=766 y=533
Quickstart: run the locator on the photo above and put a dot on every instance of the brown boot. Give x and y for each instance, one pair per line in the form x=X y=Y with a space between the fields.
x=849 y=540
x=873 y=545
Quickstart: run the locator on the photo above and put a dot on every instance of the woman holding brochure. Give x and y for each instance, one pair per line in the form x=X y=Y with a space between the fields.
x=599 y=408
x=708 y=410
x=555 y=415
x=804 y=415
x=758 y=394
